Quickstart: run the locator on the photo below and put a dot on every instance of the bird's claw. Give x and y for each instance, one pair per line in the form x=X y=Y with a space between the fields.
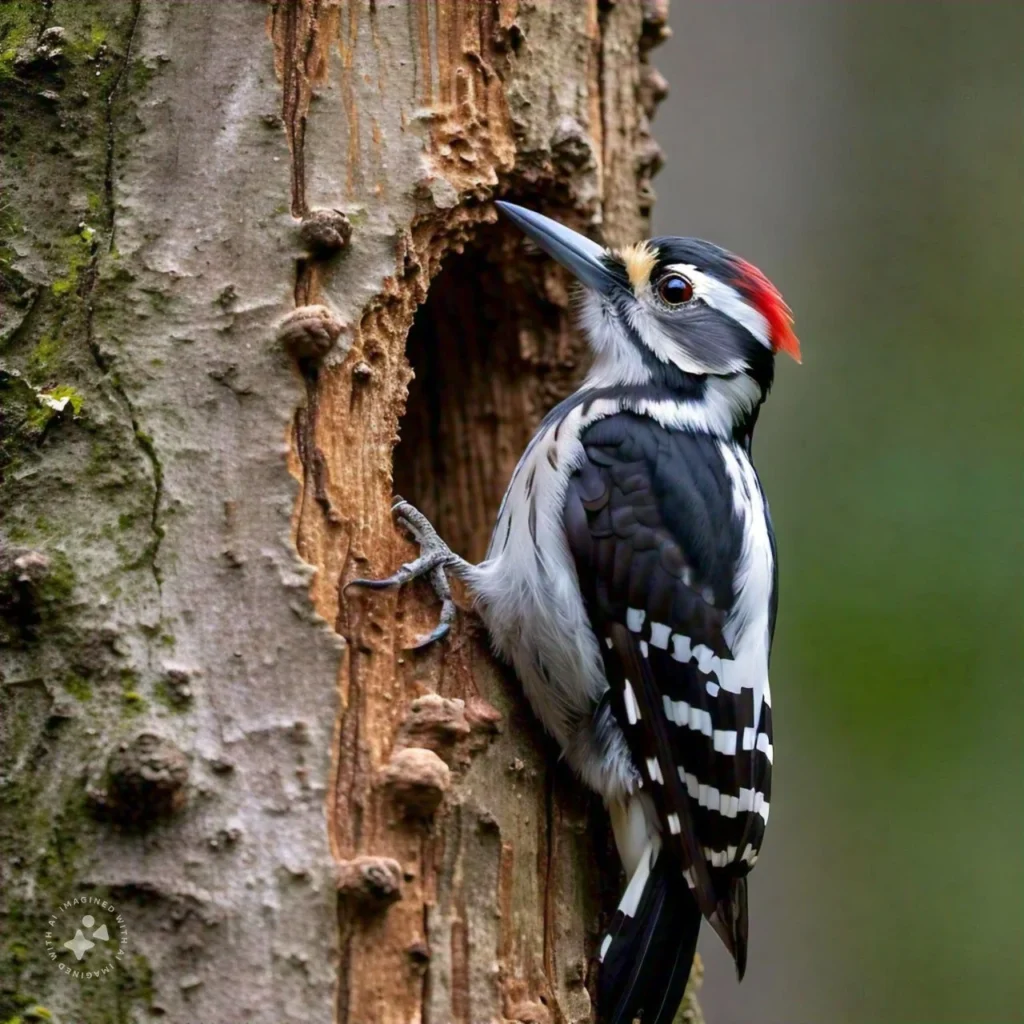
x=439 y=632
x=434 y=556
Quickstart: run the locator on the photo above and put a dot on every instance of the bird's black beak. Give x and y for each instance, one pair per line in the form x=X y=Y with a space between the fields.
x=574 y=251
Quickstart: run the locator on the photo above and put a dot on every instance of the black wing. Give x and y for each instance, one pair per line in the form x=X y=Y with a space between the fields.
x=656 y=542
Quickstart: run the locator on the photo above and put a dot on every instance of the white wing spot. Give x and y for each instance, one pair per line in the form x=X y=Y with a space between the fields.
x=673 y=824
x=685 y=715
x=726 y=805
x=654 y=770
x=765 y=746
x=700 y=721
x=705 y=658
x=688 y=716
x=608 y=642
x=749 y=737
x=632 y=708
x=604 y=947
x=644 y=649
x=708 y=796
x=720 y=858
x=725 y=741
x=659 y=635
x=712 y=688
x=680 y=648
x=670 y=713
x=635 y=619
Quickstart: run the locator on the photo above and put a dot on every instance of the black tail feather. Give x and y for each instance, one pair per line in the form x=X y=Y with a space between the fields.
x=647 y=963
x=731 y=922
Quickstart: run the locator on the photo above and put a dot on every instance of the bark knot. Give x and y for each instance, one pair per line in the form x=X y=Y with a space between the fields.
x=452 y=728
x=325 y=232
x=146 y=780
x=417 y=780
x=310 y=332
x=372 y=882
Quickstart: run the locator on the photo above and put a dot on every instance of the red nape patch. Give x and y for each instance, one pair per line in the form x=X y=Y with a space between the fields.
x=772 y=306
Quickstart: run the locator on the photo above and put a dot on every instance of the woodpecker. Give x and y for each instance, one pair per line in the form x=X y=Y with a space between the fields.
x=631 y=580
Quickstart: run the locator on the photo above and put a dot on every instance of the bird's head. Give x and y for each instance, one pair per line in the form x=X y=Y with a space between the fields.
x=669 y=310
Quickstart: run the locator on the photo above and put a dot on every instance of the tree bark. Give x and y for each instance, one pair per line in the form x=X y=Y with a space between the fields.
x=246 y=249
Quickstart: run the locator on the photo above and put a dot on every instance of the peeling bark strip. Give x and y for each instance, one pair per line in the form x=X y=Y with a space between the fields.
x=302 y=31
x=240 y=239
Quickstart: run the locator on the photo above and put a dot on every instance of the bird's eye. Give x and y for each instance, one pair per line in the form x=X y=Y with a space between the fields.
x=674 y=290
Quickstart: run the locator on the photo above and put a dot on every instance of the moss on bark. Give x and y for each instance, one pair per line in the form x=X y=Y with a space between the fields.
x=64 y=435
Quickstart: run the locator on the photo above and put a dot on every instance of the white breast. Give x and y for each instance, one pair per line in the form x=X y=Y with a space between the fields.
x=527 y=590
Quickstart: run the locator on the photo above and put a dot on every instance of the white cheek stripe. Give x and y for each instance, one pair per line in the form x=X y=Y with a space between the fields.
x=727 y=300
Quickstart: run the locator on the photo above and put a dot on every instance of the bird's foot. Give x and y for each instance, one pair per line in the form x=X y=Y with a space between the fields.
x=435 y=556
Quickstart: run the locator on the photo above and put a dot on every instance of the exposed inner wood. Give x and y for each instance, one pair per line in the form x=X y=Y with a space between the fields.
x=490 y=355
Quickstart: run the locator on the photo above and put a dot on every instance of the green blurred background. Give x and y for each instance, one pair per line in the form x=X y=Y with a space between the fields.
x=868 y=156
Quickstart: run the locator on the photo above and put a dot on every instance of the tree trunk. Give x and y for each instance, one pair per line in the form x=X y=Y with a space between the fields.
x=281 y=813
